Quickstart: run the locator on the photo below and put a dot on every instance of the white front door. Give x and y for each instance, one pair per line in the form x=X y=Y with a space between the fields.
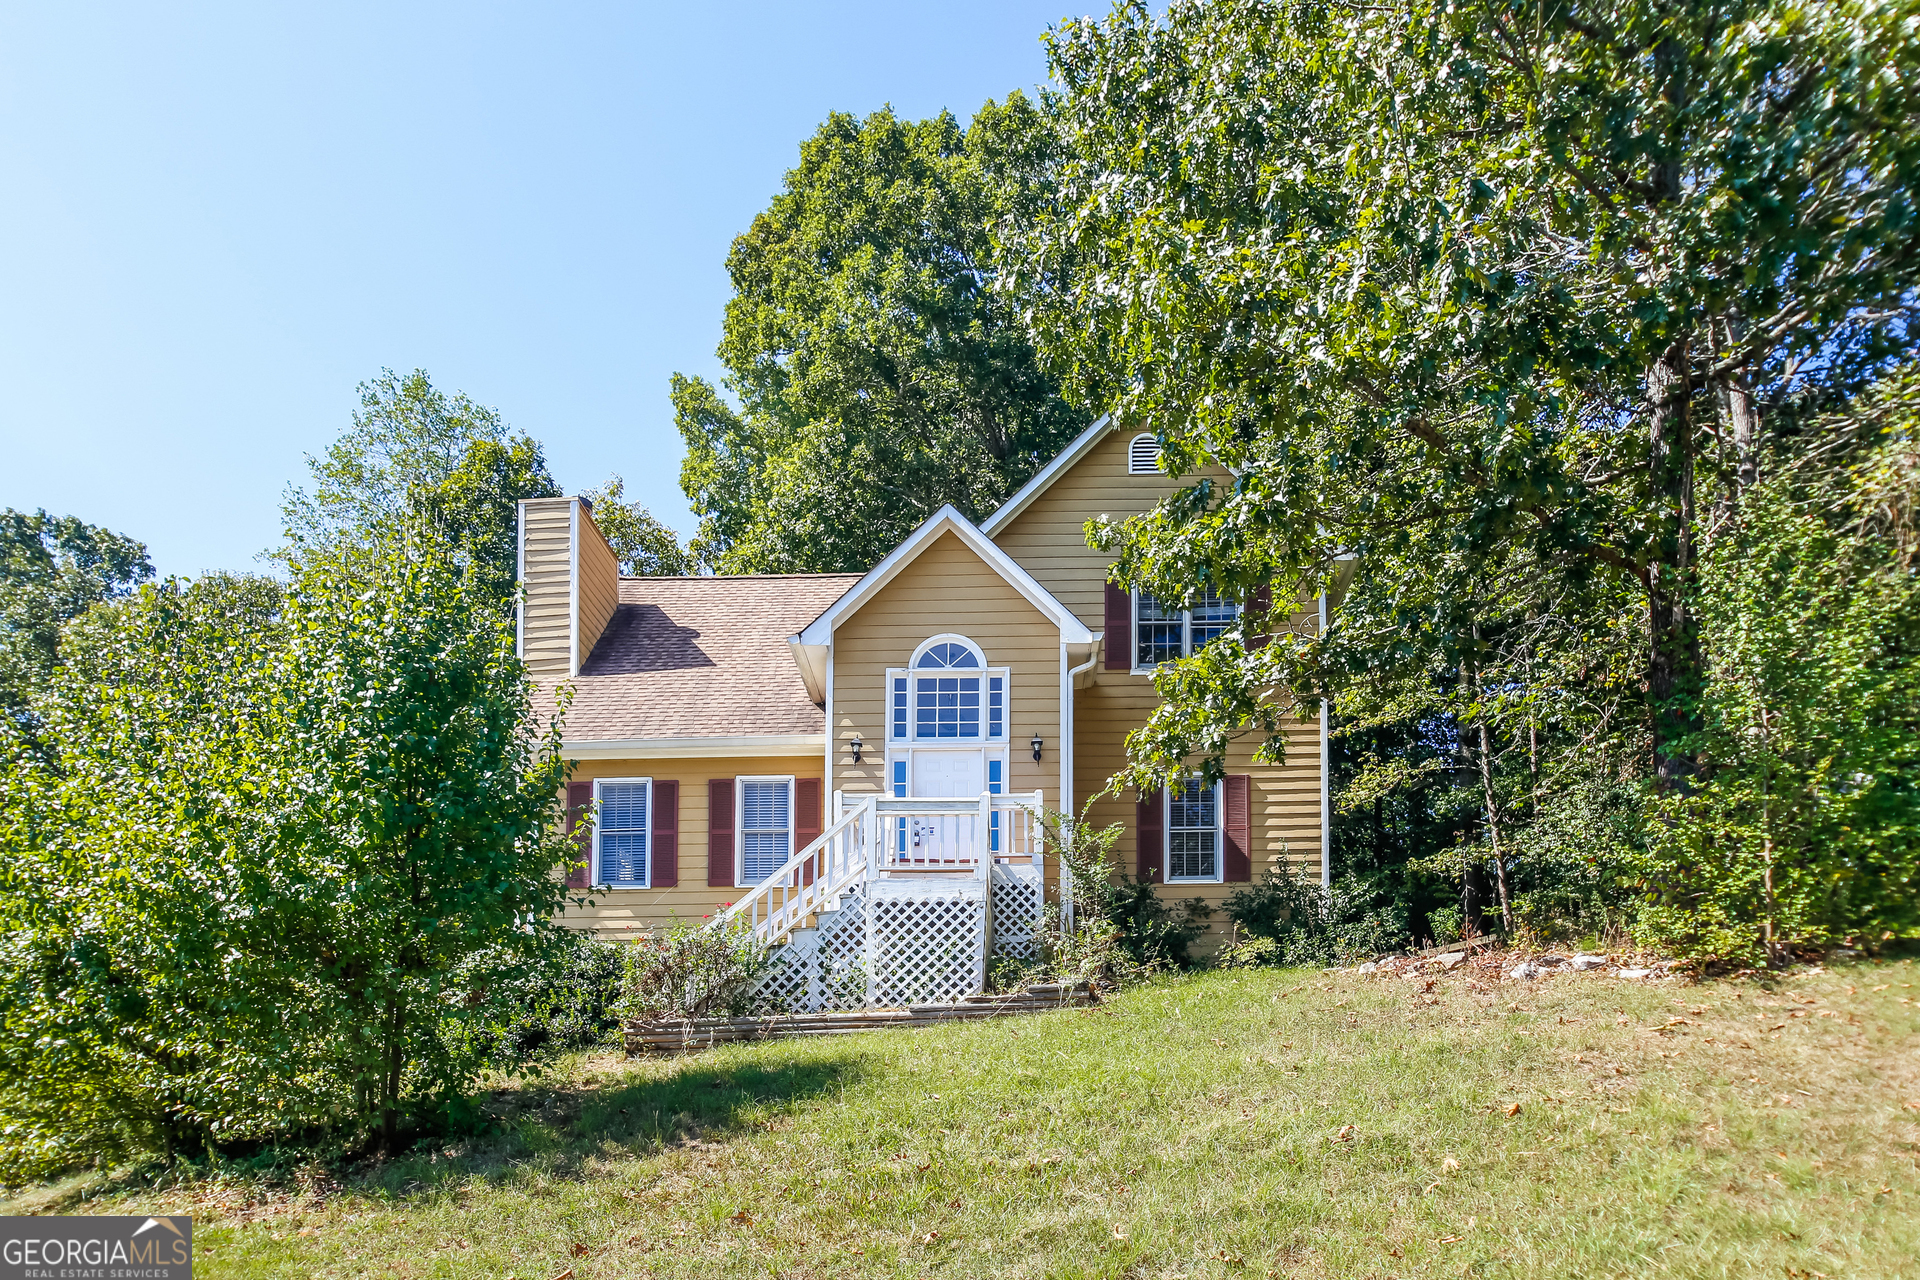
x=948 y=773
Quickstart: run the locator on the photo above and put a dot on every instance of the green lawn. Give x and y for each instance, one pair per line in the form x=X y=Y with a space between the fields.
x=1279 y=1123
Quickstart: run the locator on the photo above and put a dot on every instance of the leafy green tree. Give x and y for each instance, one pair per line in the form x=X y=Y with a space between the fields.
x=416 y=453
x=52 y=570
x=1805 y=828
x=878 y=370
x=414 y=824
x=286 y=862
x=1535 y=284
x=646 y=547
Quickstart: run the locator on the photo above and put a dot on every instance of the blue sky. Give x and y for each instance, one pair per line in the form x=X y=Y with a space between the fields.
x=219 y=219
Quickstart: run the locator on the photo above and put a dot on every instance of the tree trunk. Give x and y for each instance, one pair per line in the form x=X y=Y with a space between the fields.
x=1739 y=411
x=1493 y=827
x=1673 y=661
x=390 y=1087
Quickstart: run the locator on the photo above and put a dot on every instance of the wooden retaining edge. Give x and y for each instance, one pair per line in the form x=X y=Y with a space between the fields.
x=704 y=1032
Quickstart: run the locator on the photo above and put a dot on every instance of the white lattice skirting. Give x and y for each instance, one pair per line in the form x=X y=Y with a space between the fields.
x=923 y=940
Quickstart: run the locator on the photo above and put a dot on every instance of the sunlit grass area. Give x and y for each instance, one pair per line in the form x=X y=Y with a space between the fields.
x=1285 y=1123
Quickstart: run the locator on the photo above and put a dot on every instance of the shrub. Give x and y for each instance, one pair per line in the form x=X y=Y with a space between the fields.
x=567 y=1004
x=693 y=972
x=1309 y=924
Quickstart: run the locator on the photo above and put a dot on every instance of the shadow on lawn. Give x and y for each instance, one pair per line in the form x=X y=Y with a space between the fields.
x=562 y=1126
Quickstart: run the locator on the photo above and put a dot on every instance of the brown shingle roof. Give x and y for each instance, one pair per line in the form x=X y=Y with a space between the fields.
x=702 y=658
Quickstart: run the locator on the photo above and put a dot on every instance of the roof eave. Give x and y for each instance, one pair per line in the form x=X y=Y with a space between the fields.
x=1044 y=478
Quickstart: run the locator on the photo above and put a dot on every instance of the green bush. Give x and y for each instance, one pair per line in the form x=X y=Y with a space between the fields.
x=567 y=1004
x=1311 y=924
x=693 y=972
x=1803 y=828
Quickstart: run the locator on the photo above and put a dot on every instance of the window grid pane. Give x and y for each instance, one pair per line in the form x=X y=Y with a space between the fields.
x=766 y=836
x=1212 y=616
x=996 y=705
x=622 y=825
x=1192 y=831
x=948 y=655
x=1158 y=631
x=900 y=707
x=947 y=707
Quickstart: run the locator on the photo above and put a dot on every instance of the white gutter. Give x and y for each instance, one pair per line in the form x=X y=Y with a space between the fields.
x=1326 y=766
x=1067 y=675
x=734 y=746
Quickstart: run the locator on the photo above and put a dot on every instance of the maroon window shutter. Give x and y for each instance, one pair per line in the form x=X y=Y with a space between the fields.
x=1260 y=604
x=1119 y=641
x=1150 y=837
x=720 y=833
x=1238 y=863
x=806 y=818
x=665 y=844
x=579 y=804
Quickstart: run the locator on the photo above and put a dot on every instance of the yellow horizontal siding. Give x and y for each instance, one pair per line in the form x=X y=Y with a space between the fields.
x=625 y=914
x=546 y=627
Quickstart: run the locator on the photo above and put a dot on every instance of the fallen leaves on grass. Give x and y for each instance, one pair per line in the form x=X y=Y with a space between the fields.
x=578 y=1250
x=741 y=1218
x=1513 y=1109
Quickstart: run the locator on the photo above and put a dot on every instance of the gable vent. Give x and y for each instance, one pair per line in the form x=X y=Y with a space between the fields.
x=1143 y=456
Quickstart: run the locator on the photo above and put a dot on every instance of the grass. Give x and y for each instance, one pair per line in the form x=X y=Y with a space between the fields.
x=1262 y=1123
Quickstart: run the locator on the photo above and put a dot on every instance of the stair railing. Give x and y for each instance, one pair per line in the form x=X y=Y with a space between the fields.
x=840 y=858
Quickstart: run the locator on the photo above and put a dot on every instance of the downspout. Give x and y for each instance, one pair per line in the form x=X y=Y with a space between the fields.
x=829 y=786
x=1066 y=763
x=1326 y=773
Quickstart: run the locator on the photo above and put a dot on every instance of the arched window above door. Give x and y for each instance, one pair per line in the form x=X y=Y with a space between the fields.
x=948 y=651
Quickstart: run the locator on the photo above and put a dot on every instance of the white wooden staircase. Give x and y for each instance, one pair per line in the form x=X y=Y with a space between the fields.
x=901 y=901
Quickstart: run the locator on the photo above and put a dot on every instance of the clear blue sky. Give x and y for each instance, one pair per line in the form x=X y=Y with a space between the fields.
x=218 y=219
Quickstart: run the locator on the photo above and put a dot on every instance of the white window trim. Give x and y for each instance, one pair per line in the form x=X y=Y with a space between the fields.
x=599 y=878
x=1186 y=634
x=740 y=821
x=1219 y=837
x=1003 y=674
x=946 y=637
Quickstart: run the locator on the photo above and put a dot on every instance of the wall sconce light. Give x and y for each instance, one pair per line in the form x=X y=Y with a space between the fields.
x=1036 y=744
x=856 y=744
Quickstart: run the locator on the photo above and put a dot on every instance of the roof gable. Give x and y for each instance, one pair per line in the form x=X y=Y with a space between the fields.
x=946 y=520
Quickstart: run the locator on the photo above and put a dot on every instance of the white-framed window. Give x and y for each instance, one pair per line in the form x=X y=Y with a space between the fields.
x=765 y=826
x=1162 y=633
x=622 y=830
x=947 y=693
x=1194 y=810
x=1143 y=455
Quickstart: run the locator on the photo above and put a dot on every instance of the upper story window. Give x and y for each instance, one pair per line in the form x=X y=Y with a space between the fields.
x=1162 y=634
x=1143 y=455
x=947 y=694
x=620 y=830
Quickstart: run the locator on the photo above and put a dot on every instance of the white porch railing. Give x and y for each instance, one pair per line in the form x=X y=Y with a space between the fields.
x=883 y=837
x=811 y=879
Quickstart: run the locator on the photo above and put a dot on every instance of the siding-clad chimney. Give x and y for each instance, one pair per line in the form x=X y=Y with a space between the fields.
x=571 y=583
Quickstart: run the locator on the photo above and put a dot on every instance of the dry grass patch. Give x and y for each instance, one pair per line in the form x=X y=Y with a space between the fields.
x=1276 y=1123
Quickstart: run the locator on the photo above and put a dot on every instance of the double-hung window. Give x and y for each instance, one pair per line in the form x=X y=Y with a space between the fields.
x=1163 y=633
x=766 y=827
x=621 y=829
x=1193 y=831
